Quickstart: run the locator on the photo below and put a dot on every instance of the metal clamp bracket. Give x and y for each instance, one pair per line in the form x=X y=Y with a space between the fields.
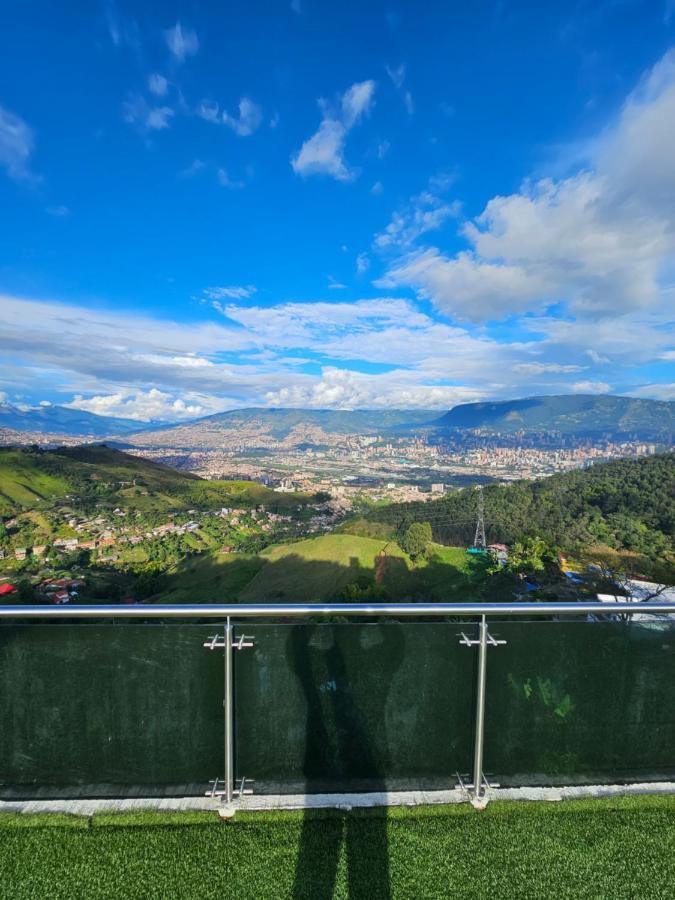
x=215 y=791
x=217 y=642
x=465 y=784
x=473 y=642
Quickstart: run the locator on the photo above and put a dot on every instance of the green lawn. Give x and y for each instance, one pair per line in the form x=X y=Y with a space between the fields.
x=604 y=849
x=316 y=569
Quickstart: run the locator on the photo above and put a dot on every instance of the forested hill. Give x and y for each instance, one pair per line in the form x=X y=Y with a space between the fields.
x=568 y=414
x=626 y=504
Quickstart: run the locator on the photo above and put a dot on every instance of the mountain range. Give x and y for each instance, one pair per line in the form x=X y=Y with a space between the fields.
x=576 y=414
x=567 y=414
x=62 y=420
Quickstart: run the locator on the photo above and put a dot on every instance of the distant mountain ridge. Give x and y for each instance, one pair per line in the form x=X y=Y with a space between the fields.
x=567 y=414
x=265 y=426
x=63 y=420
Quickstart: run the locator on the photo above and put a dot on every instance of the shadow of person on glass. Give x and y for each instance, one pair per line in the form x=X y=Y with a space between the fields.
x=345 y=673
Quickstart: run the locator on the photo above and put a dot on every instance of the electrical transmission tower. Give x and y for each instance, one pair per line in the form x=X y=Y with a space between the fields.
x=479 y=541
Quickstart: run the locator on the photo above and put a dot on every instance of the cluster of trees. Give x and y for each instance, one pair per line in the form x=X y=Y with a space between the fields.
x=625 y=504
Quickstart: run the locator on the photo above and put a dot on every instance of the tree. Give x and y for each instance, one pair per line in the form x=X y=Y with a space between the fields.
x=416 y=539
x=530 y=556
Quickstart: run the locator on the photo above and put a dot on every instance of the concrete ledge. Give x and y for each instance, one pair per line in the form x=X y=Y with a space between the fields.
x=84 y=807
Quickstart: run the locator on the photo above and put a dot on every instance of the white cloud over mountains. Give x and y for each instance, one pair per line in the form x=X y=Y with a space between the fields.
x=371 y=352
x=323 y=153
x=147 y=406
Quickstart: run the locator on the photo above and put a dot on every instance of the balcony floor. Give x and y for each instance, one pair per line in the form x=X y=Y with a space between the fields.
x=613 y=847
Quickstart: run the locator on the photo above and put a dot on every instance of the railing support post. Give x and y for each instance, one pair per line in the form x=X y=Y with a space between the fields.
x=229 y=713
x=480 y=712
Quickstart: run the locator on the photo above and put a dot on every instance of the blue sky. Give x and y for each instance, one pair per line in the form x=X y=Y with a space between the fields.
x=305 y=203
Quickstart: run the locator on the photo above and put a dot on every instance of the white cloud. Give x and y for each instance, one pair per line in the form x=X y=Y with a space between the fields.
x=181 y=42
x=397 y=75
x=591 y=387
x=466 y=288
x=123 y=31
x=600 y=241
x=16 y=145
x=195 y=166
x=345 y=389
x=425 y=212
x=252 y=352
x=323 y=153
x=157 y=84
x=244 y=124
x=377 y=189
x=232 y=292
x=362 y=263
x=335 y=285
x=137 y=111
x=225 y=181
x=147 y=406
x=59 y=212
x=539 y=368
x=248 y=120
x=654 y=391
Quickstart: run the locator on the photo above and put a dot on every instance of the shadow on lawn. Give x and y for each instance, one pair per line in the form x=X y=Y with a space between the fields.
x=346 y=742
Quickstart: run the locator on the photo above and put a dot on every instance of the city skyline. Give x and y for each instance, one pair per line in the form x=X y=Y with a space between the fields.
x=381 y=207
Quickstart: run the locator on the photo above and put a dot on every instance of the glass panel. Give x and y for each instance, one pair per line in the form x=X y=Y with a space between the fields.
x=354 y=707
x=109 y=705
x=572 y=702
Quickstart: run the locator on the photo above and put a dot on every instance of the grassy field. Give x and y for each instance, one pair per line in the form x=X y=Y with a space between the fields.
x=317 y=569
x=619 y=848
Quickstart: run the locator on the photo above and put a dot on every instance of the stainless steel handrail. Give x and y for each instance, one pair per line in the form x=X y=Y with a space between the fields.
x=300 y=610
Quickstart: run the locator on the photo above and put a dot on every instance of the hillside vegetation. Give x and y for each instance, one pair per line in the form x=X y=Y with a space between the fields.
x=333 y=567
x=93 y=474
x=568 y=414
x=624 y=505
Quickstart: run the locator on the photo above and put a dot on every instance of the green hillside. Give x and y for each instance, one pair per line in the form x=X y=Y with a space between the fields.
x=62 y=420
x=625 y=505
x=568 y=414
x=337 y=567
x=92 y=475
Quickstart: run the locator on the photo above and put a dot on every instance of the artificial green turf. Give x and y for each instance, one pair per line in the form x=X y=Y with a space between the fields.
x=595 y=849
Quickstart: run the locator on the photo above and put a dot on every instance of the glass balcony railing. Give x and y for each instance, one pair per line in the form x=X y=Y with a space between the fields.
x=283 y=702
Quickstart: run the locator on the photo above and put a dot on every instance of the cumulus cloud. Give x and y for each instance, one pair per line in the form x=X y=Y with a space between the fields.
x=323 y=153
x=344 y=389
x=182 y=42
x=16 y=145
x=147 y=406
x=591 y=387
x=600 y=241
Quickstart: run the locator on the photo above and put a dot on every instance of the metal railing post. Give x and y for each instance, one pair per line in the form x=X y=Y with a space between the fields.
x=480 y=711
x=229 y=713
